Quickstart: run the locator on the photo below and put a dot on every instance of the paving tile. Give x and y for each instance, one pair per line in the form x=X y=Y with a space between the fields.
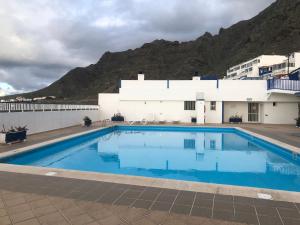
x=223 y=206
x=208 y=203
x=200 y=195
x=112 y=220
x=246 y=218
x=19 y=208
x=185 y=198
x=268 y=211
x=142 y=204
x=201 y=211
x=169 y=192
x=166 y=198
x=133 y=214
x=269 y=220
x=124 y=201
x=158 y=217
x=291 y=221
x=81 y=219
x=227 y=198
x=162 y=206
x=244 y=208
x=72 y=212
x=148 y=195
x=181 y=209
x=4 y=220
x=243 y=200
x=144 y=221
x=132 y=194
x=291 y=213
x=282 y=204
x=52 y=218
x=108 y=199
x=29 y=222
x=22 y=216
x=3 y=212
x=41 y=211
x=223 y=215
x=15 y=201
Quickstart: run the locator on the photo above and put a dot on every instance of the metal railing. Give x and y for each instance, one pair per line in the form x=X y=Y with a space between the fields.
x=289 y=85
x=33 y=107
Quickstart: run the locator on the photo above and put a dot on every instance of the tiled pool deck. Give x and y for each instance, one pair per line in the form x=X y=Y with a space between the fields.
x=38 y=199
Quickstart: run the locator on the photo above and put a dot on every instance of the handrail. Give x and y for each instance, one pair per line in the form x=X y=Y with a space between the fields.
x=289 y=85
x=33 y=107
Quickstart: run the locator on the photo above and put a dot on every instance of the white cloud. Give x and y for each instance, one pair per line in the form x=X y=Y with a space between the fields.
x=40 y=40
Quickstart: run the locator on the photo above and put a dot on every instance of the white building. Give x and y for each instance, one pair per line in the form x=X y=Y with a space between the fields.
x=207 y=101
x=265 y=66
x=251 y=67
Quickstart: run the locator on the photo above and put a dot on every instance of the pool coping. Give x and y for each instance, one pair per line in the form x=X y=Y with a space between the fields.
x=244 y=191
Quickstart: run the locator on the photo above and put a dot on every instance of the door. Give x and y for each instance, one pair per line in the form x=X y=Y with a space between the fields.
x=253 y=111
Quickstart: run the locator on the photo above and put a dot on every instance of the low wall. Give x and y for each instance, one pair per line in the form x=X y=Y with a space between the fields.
x=46 y=120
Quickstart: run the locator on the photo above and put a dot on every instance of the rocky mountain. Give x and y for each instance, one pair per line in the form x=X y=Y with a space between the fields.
x=276 y=30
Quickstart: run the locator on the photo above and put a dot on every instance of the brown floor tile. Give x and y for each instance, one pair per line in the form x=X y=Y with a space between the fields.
x=72 y=212
x=162 y=206
x=3 y=212
x=142 y=204
x=149 y=195
x=124 y=201
x=166 y=198
x=244 y=208
x=227 y=198
x=132 y=194
x=158 y=217
x=207 y=203
x=19 y=208
x=81 y=219
x=291 y=221
x=22 y=216
x=133 y=214
x=268 y=211
x=39 y=203
x=15 y=201
x=291 y=213
x=201 y=211
x=4 y=220
x=44 y=210
x=29 y=222
x=246 y=218
x=181 y=209
x=52 y=218
x=223 y=215
x=269 y=220
x=223 y=206
x=112 y=220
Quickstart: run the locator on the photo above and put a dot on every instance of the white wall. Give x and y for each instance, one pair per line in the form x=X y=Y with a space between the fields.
x=44 y=121
x=109 y=105
x=281 y=113
x=213 y=116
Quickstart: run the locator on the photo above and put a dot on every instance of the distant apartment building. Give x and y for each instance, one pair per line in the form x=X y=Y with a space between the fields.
x=264 y=67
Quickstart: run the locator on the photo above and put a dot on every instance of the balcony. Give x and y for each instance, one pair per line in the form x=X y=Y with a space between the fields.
x=284 y=86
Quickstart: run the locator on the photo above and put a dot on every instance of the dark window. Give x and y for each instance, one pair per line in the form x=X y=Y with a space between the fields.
x=189 y=143
x=189 y=105
x=213 y=105
x=274 y=104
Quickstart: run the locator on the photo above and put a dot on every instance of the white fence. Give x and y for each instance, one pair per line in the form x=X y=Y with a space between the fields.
x=45 y=117
x=29 y=107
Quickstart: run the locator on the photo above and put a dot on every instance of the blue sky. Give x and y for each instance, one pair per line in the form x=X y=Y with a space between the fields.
x=40 y=40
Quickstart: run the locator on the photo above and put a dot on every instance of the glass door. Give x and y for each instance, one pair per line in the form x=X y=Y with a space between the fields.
x=253 y=110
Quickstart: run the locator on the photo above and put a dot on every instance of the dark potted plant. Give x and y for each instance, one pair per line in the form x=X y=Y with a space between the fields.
x=117 y=117
x=297 y=122
x=87 y=121
x=235 y=119
x=13 y=134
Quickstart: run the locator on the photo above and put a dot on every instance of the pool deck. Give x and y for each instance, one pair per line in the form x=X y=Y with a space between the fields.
x=27 y=196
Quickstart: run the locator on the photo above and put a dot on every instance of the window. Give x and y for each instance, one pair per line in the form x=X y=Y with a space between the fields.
x=189 y=105
x=212 y=144
x=189 y=143
x=274 y=104
x=213 y=105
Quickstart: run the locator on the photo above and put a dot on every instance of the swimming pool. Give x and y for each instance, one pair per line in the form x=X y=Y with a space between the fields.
x=212 y=155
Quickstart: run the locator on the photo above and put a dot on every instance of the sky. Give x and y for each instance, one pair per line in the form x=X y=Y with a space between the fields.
x=40 y=40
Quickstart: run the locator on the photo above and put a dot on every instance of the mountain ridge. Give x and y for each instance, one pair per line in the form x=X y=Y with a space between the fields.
x=275 y=30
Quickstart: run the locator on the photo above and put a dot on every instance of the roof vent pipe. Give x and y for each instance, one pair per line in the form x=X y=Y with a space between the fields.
x=141 y=75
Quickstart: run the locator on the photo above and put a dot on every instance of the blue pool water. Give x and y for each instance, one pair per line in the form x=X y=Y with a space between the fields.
x=213 y=155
